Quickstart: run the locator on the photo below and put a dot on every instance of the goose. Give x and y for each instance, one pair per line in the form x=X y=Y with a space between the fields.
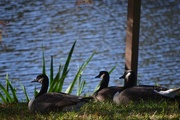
x=105 y=93
x=129 y=76
x=54 y=101
x=142 y=92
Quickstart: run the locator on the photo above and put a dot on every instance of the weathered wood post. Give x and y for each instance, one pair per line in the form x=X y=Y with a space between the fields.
x=132 y=35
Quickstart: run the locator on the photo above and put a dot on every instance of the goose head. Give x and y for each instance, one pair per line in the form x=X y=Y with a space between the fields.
x=104 y=75
x=42 y=79
x=129 y=77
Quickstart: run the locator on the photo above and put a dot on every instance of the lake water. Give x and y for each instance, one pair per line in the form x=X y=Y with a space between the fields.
x=99 y=27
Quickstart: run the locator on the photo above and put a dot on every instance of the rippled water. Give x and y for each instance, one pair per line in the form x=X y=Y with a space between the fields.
x=99 y=27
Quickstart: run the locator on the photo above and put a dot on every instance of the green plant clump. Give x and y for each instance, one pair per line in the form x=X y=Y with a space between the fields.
x=9 y=92
x=57 y=82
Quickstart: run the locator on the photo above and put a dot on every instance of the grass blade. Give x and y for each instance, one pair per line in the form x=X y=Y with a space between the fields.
x=55 y=81
x=13 y=91
x=2 y=98
x=81 y=85
x=43 y=62
x=7 y=87
x=25 y=92
x=112 y=70
x=60 y=86
x=51 y=71
x=78 y=74
x=9 y=99
x=65 y=70
x=69 y=58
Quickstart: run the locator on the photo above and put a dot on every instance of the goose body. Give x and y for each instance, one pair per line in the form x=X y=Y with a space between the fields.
x=142 y=92
x=46 y=102
x=105 y=93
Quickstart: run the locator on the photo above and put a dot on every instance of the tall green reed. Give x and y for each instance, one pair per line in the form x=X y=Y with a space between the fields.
x=57 y=81
x=9 y=92
x=25 y=92
x=56 y=84
x=78 y=77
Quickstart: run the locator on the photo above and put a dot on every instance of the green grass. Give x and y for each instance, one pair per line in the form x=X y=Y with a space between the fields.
x=97 y=111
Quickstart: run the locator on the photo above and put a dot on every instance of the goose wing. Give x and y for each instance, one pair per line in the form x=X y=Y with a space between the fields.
x=137 y=94
x=158 y=88
x=106 y=93
x=169 y=93
x=55 y=101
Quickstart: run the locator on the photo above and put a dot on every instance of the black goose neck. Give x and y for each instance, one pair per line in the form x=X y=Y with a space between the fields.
x=104 y=82
x=130 y=81
x=44 y=87
x=129 y=84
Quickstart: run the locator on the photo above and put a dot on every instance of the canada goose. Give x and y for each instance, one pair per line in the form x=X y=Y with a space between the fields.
x=142 y=92
x=129 y=76
x=105 y=93
x=46 y=102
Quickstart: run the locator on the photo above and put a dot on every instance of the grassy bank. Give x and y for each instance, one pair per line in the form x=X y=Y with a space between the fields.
x=96 y=111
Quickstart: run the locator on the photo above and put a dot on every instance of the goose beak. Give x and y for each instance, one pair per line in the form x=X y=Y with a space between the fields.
x=123 y=76
x=97 y=76
x=34 y=80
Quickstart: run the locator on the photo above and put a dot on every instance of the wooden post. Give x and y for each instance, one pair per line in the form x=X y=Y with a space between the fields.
x=132 y=35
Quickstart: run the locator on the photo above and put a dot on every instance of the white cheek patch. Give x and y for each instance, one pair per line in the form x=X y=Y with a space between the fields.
x=127 y=76
x=40 y=80
x=102 y=76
